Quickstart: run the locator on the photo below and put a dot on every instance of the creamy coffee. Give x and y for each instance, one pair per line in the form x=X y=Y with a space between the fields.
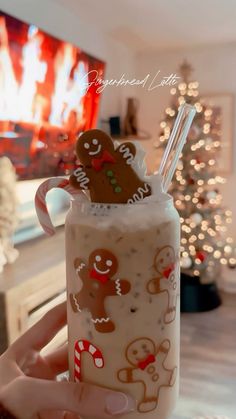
x=122 y=266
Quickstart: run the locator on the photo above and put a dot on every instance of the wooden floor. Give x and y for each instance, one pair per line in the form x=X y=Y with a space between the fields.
x=208 y=363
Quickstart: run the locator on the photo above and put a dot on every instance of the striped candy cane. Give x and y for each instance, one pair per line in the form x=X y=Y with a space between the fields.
x=40 y=200
x=85 y=346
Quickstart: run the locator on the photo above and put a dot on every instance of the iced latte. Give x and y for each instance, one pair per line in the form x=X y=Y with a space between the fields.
x=123 y=300
x=122 y=262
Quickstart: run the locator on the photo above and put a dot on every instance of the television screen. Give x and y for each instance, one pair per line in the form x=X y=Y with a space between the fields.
x=46 y=98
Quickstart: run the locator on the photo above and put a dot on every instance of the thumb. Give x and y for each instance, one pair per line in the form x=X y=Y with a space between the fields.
x=81 y=398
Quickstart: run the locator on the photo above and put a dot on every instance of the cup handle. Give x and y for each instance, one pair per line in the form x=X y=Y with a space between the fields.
x=40 y=200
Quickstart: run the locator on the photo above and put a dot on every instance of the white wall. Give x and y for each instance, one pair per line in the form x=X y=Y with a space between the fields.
x=63 y=24
x=215 y=69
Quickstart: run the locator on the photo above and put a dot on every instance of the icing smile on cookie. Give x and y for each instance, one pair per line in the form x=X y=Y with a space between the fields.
x=108 y=263
x=143 y=357
x=100 y=271
x=94 y=143
x=93 y=153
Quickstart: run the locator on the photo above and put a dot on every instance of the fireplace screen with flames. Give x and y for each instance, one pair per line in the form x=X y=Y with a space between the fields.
x=47 y=97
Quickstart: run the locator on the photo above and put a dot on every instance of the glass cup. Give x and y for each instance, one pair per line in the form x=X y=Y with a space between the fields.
x=122 y=265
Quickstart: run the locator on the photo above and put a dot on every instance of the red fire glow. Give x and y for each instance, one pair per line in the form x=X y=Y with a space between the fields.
x=19 y=100
x=43 y=97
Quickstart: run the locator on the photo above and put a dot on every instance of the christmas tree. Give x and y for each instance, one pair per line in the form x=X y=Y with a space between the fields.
x=205 y=245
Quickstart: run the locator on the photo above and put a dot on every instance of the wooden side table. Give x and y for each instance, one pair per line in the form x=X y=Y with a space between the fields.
x=31 y=286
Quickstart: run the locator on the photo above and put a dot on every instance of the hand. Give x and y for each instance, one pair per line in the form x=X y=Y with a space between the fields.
x=28 y=386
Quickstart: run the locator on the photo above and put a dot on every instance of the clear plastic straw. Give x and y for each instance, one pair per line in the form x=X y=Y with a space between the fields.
x=175 y=144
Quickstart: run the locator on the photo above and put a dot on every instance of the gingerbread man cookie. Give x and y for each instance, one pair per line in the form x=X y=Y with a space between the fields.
x=165 y=266
x=97 y=286
x=107 y=171
x=148 y=368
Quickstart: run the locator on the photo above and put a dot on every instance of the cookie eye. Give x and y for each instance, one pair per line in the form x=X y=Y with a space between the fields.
x=162 y=260
x=109 y=262
x=95 y=141
x=135 y=352
x=86 y=145
x=144 y=346
x=168 y=254
x=98 y=258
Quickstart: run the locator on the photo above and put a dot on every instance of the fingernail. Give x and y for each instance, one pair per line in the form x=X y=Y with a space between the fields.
x=117 y=403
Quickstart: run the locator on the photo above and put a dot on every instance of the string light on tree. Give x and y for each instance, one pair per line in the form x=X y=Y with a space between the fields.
x=204 y=244
x=196 y=218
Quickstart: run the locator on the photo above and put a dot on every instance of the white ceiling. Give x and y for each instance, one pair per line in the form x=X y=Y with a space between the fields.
x=160 y=24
